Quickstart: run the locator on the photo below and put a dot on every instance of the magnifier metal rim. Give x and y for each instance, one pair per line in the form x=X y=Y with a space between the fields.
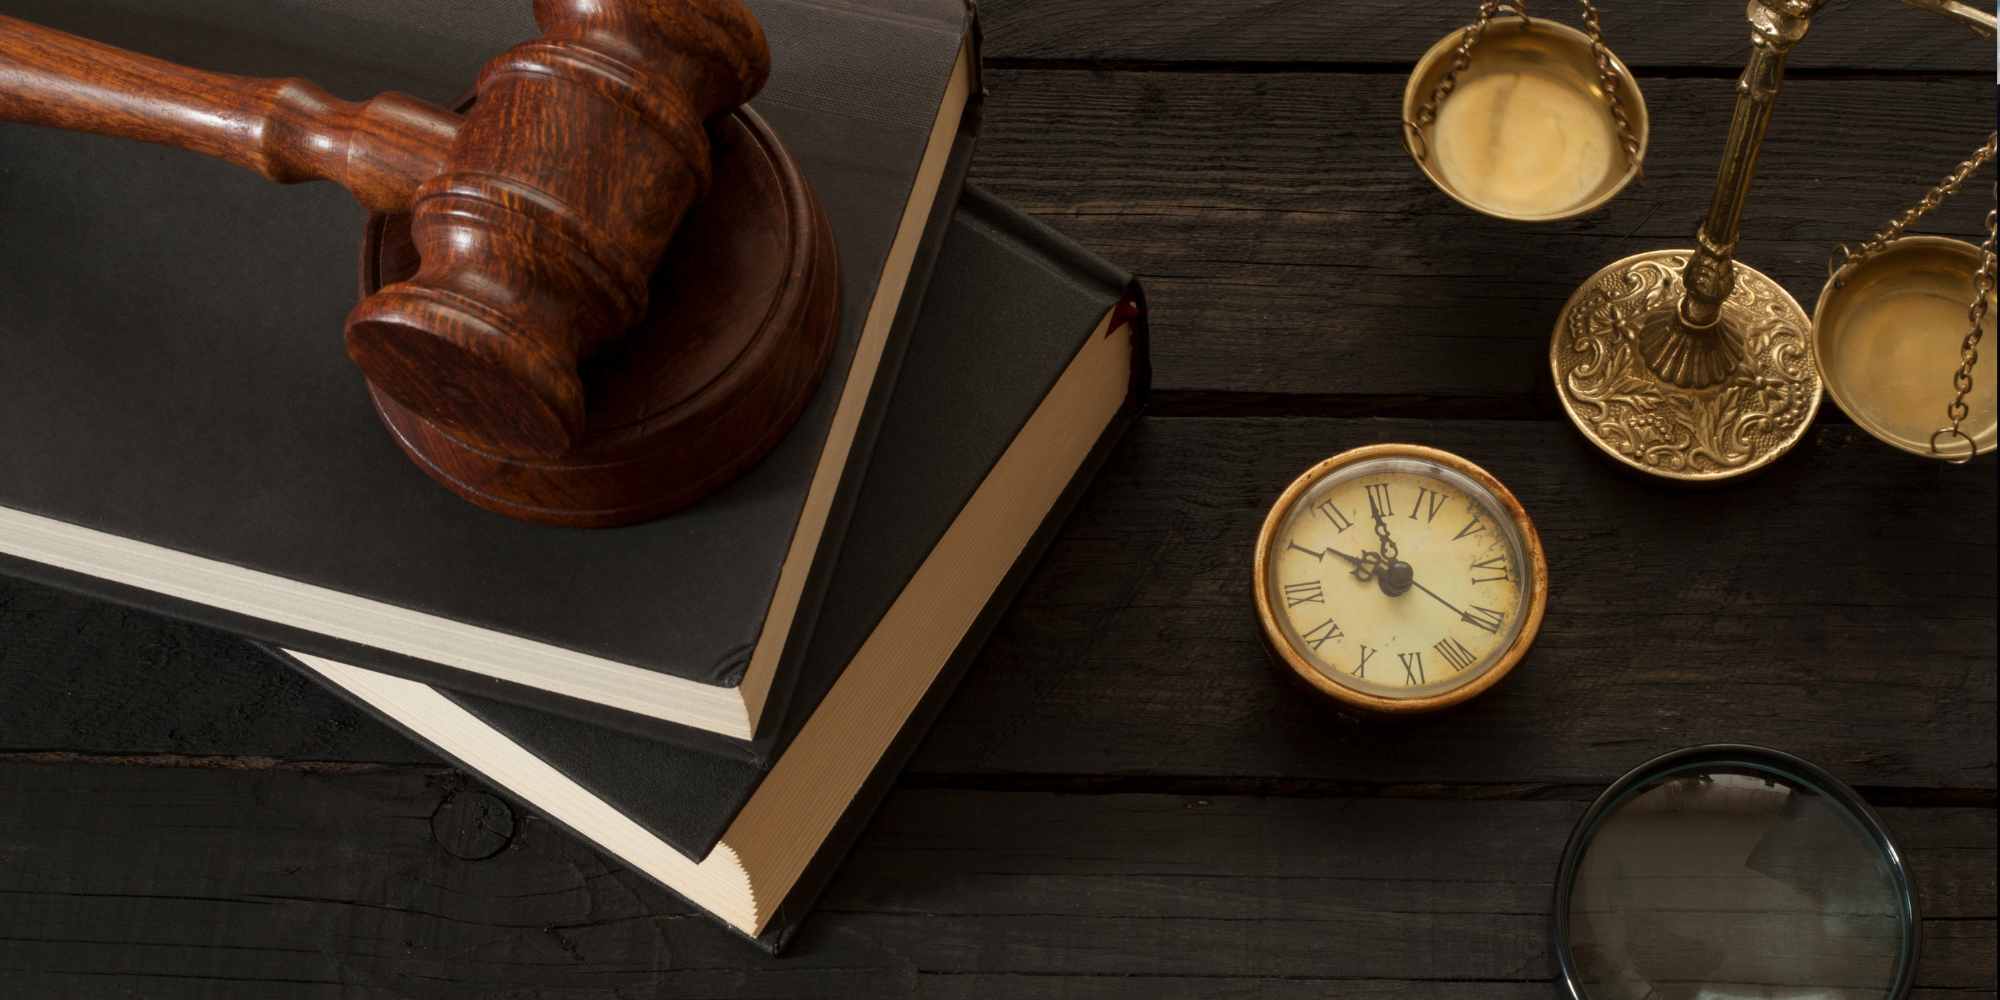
x=1788 y=765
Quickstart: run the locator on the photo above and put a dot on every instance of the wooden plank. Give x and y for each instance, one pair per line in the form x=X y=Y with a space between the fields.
x=81 y=675
x=1277 y=888
x=180 y=881
x=1297 y=261
x=227 y=882
x=1839 y=606
x=1139 y=986
x=1679 y=33
x=1143 y=986
x=1289 y=246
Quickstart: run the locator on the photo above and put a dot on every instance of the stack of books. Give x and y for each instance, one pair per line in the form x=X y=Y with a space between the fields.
x=719 y=698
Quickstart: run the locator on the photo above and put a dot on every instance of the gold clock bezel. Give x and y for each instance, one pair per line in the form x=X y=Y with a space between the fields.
x=1534 y=601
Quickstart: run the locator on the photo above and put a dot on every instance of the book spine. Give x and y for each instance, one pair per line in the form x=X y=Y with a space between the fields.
x=786 y=919
x=772 y=731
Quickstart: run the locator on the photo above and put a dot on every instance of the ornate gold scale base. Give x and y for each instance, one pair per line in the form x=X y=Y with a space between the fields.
x=1687 y=365
x=1688 y=404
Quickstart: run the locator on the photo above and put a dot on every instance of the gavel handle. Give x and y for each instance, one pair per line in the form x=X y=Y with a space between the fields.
x=286 y=130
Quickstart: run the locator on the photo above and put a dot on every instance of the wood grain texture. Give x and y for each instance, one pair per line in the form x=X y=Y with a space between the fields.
x=1125 y=801
x=81 y=676
x=1674 y=618
x=1688 y=34
x=538 y=220
x=1289 y=246
x=744 y=308
x=286 y=130
x=325 y=885
x=539 y=238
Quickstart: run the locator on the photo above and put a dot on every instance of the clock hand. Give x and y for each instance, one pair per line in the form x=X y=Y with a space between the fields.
x=1392 y=576
x=1454 y=608
x=1388 y=545
x=1364 y=567
x=1345 y=556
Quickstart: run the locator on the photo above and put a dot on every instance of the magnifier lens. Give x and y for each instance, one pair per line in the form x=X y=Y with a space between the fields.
x=1734 y=875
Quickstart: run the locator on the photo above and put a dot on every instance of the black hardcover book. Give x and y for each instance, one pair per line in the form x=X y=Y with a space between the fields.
x=185 y=433
x=1028 y=361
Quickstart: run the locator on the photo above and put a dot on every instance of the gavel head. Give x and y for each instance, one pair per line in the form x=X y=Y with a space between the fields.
x=561 y=192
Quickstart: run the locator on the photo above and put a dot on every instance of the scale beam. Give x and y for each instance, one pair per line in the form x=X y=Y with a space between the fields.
x=1981 y=21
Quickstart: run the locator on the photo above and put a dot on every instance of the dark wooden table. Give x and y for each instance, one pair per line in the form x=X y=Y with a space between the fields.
x=1124 y=800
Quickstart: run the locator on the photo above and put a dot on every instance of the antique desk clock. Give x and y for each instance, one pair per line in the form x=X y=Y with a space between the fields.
x=1397 y=578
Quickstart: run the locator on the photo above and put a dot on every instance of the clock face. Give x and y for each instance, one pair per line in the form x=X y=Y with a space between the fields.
x=1400 y=578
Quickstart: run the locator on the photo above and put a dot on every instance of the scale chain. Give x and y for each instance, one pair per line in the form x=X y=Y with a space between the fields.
x=1982 y=285
x=1932 y=199
x=1968 y=352
x=1609 y=78
x=1462 y=60
x=1413 y=132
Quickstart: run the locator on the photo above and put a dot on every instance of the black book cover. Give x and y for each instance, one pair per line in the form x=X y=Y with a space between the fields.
x=1010 y=304
x=176 y=373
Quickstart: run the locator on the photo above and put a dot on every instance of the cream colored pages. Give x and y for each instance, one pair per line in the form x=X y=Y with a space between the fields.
x=731 y=712
x=763 y=853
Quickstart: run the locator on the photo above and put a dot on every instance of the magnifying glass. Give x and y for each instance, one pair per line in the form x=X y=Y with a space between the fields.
x=1723 y=872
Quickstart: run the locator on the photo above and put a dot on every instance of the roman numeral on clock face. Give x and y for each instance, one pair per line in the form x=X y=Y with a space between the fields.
x=1361 y=669
x=1378 y=500
x=1485 y=618
x=1429 y=502
x=1321 y=633
x=1308 y=592
x=1341 y=522
x=1496 y=566
x=1454 y=653
x=1413 y=667
x=1471 y=528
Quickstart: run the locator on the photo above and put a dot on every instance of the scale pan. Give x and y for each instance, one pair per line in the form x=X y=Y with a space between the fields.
x=1526 y=135
x=1888 y=337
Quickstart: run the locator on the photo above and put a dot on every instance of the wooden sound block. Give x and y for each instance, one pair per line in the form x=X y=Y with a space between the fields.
x=744 y=310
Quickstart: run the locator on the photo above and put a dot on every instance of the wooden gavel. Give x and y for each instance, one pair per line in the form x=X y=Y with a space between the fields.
x=539 y=216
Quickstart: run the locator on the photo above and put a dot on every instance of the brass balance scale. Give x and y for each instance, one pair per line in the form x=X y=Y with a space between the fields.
x=1688 y=364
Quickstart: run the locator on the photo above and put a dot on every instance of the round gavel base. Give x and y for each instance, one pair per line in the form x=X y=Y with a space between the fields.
x=744 y=310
